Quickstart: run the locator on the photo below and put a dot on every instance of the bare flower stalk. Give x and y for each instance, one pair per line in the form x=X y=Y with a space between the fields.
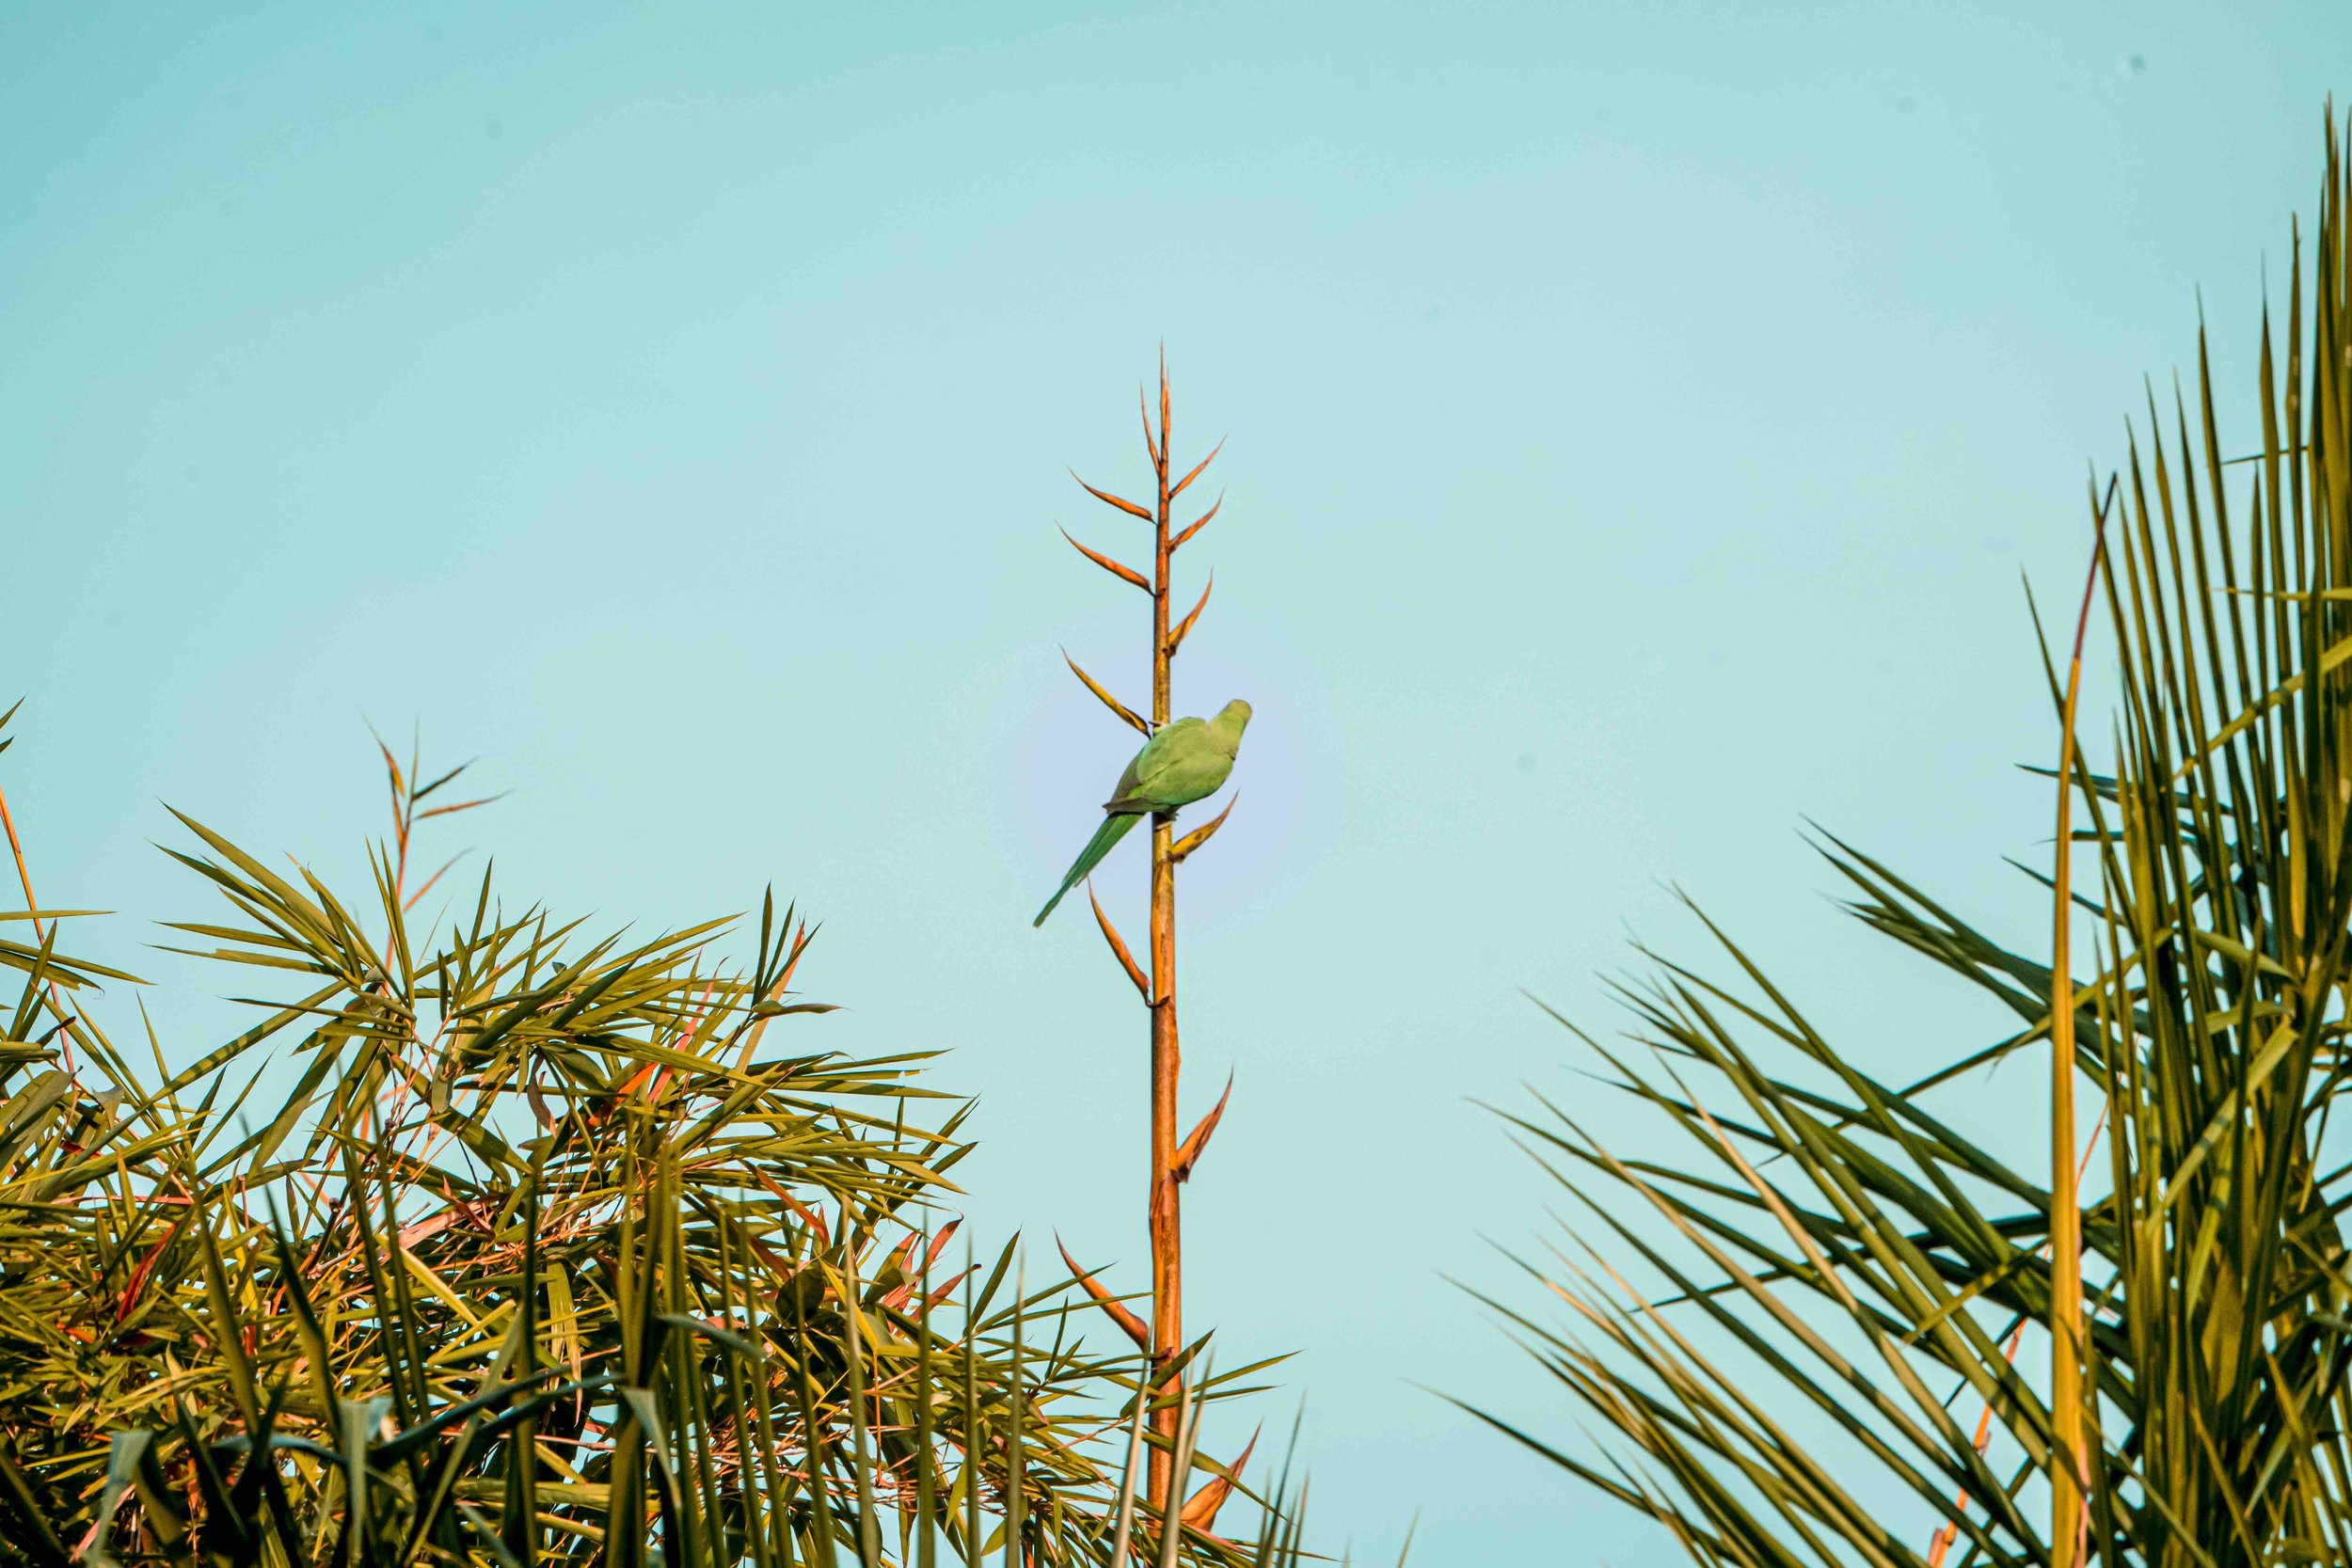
x=1173 y=1156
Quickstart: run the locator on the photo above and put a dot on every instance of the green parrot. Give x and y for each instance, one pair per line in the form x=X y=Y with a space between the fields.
x=1180 y=764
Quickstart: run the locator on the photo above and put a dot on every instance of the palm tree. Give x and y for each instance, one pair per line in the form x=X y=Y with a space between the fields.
x=533 y=1248
x=1841 y=1308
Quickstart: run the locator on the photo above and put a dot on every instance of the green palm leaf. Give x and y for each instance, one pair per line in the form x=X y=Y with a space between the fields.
x=1810 y=1312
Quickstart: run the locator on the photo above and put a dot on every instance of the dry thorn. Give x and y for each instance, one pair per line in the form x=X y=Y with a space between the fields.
x=462 y=805
x=1200 y=835
x=1117 y=1311
x=1118 y=946
x=1184 y=628
x=1108 y=701
x=1198 y=1139
x=1197 y=524
x=1200 y=1510
x=1143 y=408
x=1178 y=488
x=1124 y=505
x=1125 y=573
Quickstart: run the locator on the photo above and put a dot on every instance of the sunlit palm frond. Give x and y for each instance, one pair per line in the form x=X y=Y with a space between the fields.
x=1820 y=1335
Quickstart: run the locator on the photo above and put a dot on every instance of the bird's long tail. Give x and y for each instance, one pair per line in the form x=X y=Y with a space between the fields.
x=1110 y=833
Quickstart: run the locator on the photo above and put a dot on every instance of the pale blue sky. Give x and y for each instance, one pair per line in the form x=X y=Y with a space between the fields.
x=1640 y=415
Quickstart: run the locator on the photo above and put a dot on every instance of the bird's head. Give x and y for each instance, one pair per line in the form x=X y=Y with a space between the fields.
x=1232 y=718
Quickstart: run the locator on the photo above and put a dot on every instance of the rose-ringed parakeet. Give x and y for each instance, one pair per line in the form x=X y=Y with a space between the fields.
x=1181 y=762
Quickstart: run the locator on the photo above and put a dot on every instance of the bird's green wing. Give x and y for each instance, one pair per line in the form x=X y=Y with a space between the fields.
x=1186 y=766
x=1168 y=744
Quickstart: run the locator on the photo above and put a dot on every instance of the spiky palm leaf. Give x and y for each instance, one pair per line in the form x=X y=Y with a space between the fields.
x=1852 y=1271
x=527 y=1248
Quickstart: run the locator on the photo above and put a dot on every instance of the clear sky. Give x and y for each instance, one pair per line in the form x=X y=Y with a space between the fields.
x=1640 y=415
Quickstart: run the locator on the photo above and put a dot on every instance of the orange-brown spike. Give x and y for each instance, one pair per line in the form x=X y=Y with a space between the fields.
x=1143 y=409
x=1198 y=1139
x=1199 y=836
x=1166 y=410
x=1125 y=573
x=939 y=1243
x=139 y=1277
x=898 y=1295
x=1127 y=506
x=393 y=764
x=1118 y=1309
x=1200 y=1509
x=417 y=897
x=809 y=1218
x=1108 y=700
x=1176 y=638
x=1118 y=946
x=1178 y=488
x=942 y=1293
x=462 y=805
x=1200 y=523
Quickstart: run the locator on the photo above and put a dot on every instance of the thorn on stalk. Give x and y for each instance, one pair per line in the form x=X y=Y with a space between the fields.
x=1116 y=1310
x=1118 y=946
x=1197 y=524
x=1200 y=835
x=1184 y=628
x=1125 y=573
x=1178 y=488
x=1189 y=1154
x=1108 y=701
x=1105 y=495
x=1200 y=1509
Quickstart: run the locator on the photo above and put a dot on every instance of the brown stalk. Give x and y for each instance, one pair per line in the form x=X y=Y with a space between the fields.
x=1163 y=1337
x=1165 y=1207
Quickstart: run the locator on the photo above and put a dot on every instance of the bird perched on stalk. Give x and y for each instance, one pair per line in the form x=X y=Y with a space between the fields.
x=1181 y=762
